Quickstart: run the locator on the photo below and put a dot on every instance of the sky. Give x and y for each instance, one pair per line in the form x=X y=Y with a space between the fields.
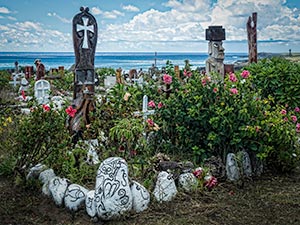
x=149 y=25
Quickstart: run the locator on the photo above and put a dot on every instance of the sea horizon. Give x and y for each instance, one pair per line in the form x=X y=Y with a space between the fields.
x=115 y=60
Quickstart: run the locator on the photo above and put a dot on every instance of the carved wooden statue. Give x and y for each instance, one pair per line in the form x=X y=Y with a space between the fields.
x=85 y=32
x=252 y=38
x=215 y=35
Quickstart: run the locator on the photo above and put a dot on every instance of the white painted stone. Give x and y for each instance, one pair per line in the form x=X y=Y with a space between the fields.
x=46 y=175
x=75 y=197
x=187 y=181
x=246 y=162
x=112 y=192
x=35 y=171
x=165 y=188
x=90 y=204
x=57 y=188
x=45 y=189
x=140 y=197
x=232 y=169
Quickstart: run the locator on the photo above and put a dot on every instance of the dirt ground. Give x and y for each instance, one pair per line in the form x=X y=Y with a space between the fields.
x=270 y=199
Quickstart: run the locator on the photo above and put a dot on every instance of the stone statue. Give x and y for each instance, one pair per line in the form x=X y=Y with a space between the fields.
x=215 y=35
x=85 y=32
x=252 y=38
x=40 y=69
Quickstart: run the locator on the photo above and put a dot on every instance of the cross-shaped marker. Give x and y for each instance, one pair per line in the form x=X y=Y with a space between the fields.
x=85 y=28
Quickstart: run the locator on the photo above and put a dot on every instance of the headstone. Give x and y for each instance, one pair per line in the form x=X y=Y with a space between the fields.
x=232 y=169
x=41 y=91
x=40 y=69
x=187 y=181
x=75 y=196
x=28 y=72
x=92 y=156
x=85 y=33
x=112 y=191
x=165 y=188
x=90 y=206
x=57 y=188
x=252 y=38
x=215 y=35
x=24 y=85
x=140 y=197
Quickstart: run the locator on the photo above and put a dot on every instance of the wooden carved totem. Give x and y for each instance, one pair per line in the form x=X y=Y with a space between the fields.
x=252 y=38
x=85 y=32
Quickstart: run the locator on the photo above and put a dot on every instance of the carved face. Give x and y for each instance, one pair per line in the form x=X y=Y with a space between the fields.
x=216 y=50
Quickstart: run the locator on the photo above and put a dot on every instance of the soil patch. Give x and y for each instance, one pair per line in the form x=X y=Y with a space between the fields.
x=270 y=199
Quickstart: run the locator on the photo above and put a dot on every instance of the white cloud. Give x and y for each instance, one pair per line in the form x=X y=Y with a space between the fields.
x=11 y=18
x=96 y=11
x=4 y=10
x=62 y=19
x=131 y=8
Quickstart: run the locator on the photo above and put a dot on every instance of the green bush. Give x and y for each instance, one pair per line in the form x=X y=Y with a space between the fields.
x=279 y=78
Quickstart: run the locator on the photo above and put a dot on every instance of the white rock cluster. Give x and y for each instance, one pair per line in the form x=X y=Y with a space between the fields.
x=113 y=196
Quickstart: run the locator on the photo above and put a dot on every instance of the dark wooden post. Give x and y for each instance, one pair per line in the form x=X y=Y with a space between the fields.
x=252 y=38
x=85 y=32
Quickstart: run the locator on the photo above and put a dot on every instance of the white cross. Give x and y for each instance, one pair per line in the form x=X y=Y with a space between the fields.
x=145 y=111
x=85 y=28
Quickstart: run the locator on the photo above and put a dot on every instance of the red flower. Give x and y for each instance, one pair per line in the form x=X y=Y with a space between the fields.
x=150 y=122
x=234 y=91
x=294 y=118
x=210 y=182
x=160 y=105
x=198 y=172
x=71 y=111
x=187 y=73
x=232 y=77
x=46 y=108
x=121 y=148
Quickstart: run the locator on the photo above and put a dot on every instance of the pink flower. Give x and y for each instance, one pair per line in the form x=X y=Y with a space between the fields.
x=245 y=74
x=283 y=112
x=298 y=127
x=297 y=109
x=294 y=118
x=232 y=77
x=215 y=90
x=71 y=111
x=198 y=172
x=167 y=79
x=151 y=104
x=46 y=108
x=210 y=182
x=234 y=91
x=285 y=119
x=160 y=105
x=187 y=73
x=150 y=122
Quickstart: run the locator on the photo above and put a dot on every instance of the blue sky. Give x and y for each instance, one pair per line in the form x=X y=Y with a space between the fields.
x=149 y=25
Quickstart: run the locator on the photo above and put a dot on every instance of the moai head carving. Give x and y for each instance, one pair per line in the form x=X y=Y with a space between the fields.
x=216 y=49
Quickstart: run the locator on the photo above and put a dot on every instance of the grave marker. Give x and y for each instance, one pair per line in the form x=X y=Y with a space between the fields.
x=41 y=91
x=252 y=38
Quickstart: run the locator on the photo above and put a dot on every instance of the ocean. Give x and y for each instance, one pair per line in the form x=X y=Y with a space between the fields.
x=124 y=60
